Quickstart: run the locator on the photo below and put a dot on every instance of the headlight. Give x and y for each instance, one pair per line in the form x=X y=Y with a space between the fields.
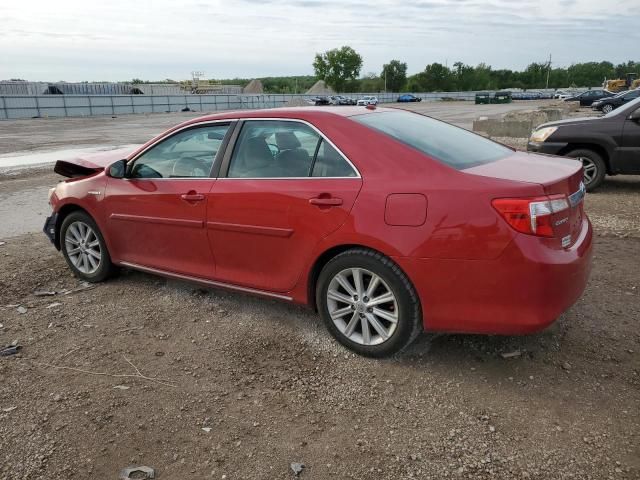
x=542 y=134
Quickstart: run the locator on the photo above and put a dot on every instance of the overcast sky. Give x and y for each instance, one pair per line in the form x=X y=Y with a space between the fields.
x=78 y=40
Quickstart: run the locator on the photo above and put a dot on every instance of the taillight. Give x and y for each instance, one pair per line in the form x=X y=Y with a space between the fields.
x=531 y=215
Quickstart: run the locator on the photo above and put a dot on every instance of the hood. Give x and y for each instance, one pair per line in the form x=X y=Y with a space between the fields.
x=92 y=163
x=568 y=121
x=529 y=167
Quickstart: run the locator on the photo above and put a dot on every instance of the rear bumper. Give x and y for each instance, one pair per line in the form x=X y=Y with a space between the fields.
x=523 y=291
x=549 y=148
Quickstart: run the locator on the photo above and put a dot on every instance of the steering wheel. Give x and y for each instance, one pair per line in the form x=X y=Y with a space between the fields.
x=189 y=167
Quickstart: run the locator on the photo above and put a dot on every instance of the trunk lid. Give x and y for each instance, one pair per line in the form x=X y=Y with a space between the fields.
x=559 y=178
x=530 y=168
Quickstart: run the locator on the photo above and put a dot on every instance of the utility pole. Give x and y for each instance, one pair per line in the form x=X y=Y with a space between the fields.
x=548 y=70
x=385 y=80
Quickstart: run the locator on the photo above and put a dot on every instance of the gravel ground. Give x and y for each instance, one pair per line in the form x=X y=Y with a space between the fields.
x=209 y=384
x=270 y=387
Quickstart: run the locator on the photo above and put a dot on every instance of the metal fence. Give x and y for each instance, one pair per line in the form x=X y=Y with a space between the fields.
x=107 y=88
x=40 y=106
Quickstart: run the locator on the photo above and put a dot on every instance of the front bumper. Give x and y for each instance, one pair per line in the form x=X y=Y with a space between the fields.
x=549 y=148
x=523 y=291
x=49 y=228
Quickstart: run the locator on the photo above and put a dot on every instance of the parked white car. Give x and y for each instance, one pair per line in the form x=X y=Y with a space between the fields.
x=561 y=95
x=368 y=100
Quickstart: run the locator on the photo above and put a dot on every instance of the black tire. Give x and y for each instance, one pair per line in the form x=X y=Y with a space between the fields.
x=105 y=267
x=595 y=180
x=409 y=312
x=607 y=108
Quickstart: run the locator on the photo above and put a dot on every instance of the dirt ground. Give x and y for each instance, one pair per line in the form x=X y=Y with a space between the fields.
x=210 y=384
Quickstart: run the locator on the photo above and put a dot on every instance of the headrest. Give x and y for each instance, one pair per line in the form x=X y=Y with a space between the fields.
x=287 y=141
x=256 y=152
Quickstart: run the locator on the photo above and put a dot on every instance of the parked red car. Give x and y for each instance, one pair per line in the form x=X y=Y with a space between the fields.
x=388 y=222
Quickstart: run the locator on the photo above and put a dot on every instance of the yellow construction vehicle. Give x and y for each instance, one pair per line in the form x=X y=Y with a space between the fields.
x=621 y=84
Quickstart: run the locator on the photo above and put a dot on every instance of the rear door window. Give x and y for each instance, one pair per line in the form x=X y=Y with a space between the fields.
x=285 y=149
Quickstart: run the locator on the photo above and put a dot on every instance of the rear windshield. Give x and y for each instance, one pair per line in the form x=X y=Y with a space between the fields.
x=451 y=145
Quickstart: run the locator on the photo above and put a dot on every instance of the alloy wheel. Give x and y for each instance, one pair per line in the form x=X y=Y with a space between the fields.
x=83 y=247
x=590 y=170
x=607 y=108
x=362 y=306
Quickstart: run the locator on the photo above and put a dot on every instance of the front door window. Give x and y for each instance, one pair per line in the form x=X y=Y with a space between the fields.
x=187 y=154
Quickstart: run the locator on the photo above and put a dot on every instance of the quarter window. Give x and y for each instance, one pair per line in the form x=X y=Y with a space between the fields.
x=283 y=149
x=329 y=163
x=188 y=154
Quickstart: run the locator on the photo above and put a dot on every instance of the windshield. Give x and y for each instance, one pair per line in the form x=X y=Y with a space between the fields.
x=624 y=110
x=451 y=145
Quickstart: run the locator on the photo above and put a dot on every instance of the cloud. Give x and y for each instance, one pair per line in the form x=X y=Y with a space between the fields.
x=114 y=40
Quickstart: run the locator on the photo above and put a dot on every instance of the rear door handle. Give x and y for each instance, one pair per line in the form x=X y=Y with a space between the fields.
x=192 y=197
x=325 y=202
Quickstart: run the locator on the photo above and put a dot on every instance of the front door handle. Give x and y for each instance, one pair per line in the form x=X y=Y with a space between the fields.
x=326 y=202
x=192 y=197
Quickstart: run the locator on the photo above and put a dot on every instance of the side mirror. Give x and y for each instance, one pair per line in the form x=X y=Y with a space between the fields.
x=117 y=169
x=635 y=115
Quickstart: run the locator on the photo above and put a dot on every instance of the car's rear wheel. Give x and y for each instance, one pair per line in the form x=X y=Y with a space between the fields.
x=84 y=248
x=608 y=108
x=368 y=304
x=593 y=165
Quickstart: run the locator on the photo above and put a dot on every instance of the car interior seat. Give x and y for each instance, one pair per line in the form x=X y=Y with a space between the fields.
x=292 y=158
x=254 y=159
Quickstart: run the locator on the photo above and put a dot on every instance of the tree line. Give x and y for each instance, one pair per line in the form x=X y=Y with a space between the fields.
x=341 y=68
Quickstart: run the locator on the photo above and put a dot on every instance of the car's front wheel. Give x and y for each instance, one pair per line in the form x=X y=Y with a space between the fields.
x=608 y=108
x=368 y=304
x=84 y=248
x=594 y=168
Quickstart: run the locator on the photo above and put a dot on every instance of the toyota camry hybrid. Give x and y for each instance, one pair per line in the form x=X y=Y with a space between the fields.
x=387 y=222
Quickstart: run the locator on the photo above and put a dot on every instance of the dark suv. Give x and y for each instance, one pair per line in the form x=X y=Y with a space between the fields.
x=608 y=145
x=609 y=104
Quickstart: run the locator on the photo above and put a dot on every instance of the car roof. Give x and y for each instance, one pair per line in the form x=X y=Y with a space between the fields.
x=301 y=113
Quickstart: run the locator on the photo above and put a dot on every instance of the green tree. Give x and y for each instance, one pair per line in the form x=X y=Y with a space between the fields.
x=370 y=83
x=464 y=76
x=338 y=66
x=394 y=75
x=416 y=83
x=438 y=77
x=591 y=74
x=535 y=75
x=483 y=77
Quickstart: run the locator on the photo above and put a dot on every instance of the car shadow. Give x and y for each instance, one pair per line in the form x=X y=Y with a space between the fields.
x=429 y=348
x=621 y=184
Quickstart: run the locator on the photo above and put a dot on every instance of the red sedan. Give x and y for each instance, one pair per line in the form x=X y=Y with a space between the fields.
x=387 y=222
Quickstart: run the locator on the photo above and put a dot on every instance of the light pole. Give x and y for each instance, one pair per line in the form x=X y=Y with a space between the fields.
x=548 y=71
